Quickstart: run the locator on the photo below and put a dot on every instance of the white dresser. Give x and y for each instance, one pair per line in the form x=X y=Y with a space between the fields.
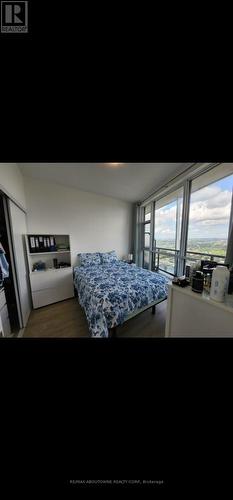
x=5 y=328
x=190 y=314
x=52 y=285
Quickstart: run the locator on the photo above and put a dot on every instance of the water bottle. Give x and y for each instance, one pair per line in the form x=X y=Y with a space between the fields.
x=220 y=283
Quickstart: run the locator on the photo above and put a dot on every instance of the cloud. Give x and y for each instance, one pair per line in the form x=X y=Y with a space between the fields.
x=205 y=193
x=165 y=231
x=210 y=207
x=219 y=200
x=165 y=215
x=211 y=195
x=215 y=208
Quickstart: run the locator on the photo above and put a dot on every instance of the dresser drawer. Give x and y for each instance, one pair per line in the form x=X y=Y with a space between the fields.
x=42 y=280
x=51 y=295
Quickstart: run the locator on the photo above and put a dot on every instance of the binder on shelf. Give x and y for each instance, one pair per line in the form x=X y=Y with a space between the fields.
x=52 y=244
x=37 y=243
x=41 y=243
x=32 y=244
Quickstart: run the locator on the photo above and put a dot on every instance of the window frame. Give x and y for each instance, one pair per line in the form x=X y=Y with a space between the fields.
x=149 y=221
x=175 y=250
x=186 y=184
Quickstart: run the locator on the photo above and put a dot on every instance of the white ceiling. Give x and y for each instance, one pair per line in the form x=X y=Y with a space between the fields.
x=127 y=181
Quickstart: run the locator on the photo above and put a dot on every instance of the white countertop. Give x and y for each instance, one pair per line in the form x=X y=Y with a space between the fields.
x=227 y=305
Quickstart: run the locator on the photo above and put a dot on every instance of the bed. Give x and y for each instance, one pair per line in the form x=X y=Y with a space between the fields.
x=112 y=292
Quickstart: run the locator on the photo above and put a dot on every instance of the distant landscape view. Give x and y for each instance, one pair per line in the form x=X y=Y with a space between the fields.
x=215 y=246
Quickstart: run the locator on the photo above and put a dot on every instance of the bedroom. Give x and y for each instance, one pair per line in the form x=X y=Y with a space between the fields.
x=124 y=232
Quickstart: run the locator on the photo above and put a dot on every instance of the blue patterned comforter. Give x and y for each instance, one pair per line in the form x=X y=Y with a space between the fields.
x=109 y=292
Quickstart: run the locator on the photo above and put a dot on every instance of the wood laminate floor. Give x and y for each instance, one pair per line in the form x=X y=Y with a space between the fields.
x=67 y=319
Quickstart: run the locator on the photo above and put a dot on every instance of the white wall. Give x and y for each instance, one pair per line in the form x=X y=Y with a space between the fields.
x=11 y=182
x=94 y=222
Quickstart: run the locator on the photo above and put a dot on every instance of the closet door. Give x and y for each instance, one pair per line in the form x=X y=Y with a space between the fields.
x=18 y=231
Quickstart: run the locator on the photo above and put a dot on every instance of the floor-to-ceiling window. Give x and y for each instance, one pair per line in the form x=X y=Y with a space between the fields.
x=190 y=223
x=209 y=215
x=167 y=231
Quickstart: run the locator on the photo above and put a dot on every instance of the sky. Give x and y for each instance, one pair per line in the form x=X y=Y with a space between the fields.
x=209 y=213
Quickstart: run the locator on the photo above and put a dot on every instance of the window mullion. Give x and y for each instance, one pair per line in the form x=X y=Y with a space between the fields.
x=151 y=235
x=184 y=226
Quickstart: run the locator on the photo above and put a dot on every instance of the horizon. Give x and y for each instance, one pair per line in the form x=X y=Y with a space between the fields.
x=191 y=239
